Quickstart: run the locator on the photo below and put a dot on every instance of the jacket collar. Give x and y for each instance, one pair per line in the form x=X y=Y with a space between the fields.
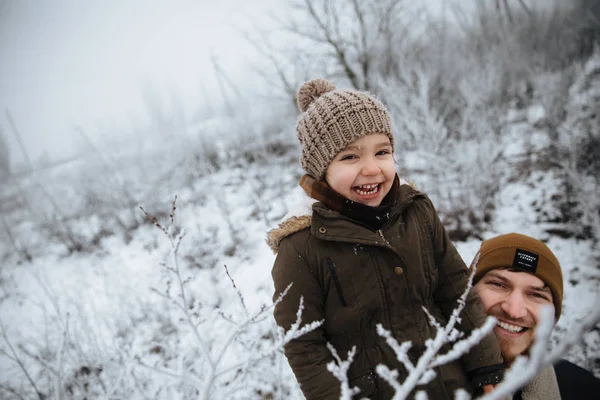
x=543 y=386
x=301 y=217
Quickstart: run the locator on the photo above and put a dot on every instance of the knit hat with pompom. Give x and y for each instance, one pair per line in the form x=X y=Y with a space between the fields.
x=333 y=118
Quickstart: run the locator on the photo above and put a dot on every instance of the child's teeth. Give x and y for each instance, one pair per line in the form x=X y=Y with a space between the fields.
x=364 y=190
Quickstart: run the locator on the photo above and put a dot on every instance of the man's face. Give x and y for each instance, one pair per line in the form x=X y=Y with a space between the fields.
x=516 y=300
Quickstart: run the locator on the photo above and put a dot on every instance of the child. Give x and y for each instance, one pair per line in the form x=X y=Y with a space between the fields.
x=372 y=251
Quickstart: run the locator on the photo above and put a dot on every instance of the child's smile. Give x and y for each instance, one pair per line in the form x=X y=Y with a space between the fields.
x=368 y=192
x=364 y=171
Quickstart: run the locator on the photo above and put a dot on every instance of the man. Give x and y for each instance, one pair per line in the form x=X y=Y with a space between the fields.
x=516 y=276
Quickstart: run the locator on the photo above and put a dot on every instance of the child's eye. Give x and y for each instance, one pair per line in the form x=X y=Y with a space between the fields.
x=383 y=152
x=348 y=157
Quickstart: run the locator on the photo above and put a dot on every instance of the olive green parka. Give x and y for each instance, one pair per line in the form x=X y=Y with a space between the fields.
x=354 y=278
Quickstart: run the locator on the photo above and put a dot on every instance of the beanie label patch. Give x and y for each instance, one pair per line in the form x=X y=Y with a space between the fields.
x=525 y=260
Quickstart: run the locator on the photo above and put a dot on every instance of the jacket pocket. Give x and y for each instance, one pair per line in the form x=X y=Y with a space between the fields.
x=434 y=270
x=436 y=263
x=336 y=280
x=367 y=383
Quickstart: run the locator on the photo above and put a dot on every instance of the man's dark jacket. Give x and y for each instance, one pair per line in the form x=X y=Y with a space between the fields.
x=564 y=380
x=575 y=382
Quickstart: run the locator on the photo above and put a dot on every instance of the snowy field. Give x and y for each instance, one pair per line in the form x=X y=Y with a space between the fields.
x=99 y=319
x=95 y=302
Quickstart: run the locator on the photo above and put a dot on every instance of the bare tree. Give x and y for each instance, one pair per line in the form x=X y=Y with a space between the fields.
x=359 y=42
x=18 y=138
x=285 y=73
x=4 y=156
x=359 y=38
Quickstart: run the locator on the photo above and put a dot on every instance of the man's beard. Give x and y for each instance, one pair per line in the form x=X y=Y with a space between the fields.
x=517 y=344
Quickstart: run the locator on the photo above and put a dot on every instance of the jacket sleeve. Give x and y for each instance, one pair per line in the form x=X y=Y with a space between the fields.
x=453 y=278
x=308 y=355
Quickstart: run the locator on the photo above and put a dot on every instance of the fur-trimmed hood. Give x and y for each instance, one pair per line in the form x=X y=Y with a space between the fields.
x=299 y=217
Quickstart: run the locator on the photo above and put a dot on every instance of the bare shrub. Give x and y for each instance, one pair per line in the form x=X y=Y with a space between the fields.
x=575 y=152
x=459 y=169
x=208 y=369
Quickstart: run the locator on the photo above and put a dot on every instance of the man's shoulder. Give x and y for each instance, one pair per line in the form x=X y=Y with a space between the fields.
x=568 y=369
x=575 y=382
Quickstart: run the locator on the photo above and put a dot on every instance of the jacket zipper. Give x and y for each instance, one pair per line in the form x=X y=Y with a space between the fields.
x=402 y=262
x=380 y=232
x=336 y=280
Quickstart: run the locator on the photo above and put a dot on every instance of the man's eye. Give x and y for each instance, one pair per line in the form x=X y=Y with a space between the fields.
x=496 y=284
x=539 y=296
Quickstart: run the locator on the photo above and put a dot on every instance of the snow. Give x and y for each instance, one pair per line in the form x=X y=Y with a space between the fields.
x=117 y=304
x=105 y=296
x=535 y=114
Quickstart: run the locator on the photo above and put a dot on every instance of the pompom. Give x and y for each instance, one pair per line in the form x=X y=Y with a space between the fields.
x=311 y=90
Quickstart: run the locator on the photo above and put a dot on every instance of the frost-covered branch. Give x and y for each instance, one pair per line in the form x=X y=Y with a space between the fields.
x=339 y=369
x=400 y=350
x=239 y=293
x=12 y=355
x=525 y=368
x=60 y=361
x=294 y=332
x=184 y=306
x=213 y=358
x=423 y=372
x=178 y=375
x=463 y=346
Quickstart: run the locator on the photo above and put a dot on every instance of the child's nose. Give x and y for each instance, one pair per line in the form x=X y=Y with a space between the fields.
x=370 y=167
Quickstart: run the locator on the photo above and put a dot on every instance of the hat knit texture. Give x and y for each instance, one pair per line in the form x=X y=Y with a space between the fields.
x=500 y=251
x=333 y=118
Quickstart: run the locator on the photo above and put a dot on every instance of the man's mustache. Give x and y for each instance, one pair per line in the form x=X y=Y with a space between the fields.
x=524 y=322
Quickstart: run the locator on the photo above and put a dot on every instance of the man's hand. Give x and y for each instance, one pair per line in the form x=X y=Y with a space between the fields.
x=488 y=388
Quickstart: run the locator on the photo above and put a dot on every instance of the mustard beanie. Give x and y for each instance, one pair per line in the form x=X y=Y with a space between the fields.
x=525 y=253
x=333 y=118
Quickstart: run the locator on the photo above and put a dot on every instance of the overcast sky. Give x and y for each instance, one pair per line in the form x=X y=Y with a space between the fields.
x=65 y=62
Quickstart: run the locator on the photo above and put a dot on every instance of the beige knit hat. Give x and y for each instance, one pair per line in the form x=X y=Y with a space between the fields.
x=333 y=118
x=524 y=253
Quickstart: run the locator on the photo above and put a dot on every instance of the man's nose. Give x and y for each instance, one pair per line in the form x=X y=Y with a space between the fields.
x=514 y=305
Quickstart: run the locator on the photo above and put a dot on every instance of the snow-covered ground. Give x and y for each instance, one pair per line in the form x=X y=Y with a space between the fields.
x=92 y=303
x=99 y=316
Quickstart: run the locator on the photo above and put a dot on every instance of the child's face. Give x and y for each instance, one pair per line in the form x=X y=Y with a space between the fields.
x=364 y=171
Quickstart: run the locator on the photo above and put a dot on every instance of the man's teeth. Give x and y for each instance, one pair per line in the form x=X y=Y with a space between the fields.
x=364 y=190
x=509 y=327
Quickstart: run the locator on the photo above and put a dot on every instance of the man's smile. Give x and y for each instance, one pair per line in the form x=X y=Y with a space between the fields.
x=511 y=328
